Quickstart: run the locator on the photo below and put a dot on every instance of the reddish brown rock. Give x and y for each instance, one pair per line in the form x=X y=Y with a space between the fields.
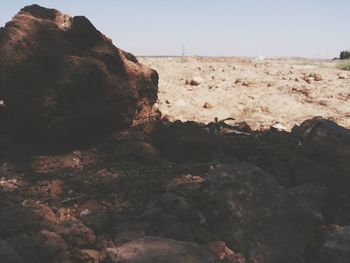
x=64 y=80
x=77 y=234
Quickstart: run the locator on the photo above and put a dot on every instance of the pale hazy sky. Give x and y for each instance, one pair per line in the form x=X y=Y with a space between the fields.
x=306 y=28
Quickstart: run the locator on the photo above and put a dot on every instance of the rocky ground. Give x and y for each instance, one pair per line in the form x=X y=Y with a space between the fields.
x=161 y=188
x=166 y=189
x=260 y=92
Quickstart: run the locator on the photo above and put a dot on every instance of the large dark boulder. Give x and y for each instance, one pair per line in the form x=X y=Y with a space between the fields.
x=63 y=80
x=247 y=209
x=327 y=145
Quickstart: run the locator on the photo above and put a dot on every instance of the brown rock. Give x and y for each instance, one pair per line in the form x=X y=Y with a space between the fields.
x=98 y=221
x=162 y=250
x=207 y=105
x=128 y=235
x=312 y=77
x=328 y=145
x=316 y=76
x=247 y=83
x=77 y=234
x=238 y=81
x=319 y=130
x=195 y=81
x=185 y=185
x=217 y=248
x=64 y=81
x=248 y=210
x=53 y=248
x=223 y=253
x=85 y=255
x=308 y=80
x=17 y=220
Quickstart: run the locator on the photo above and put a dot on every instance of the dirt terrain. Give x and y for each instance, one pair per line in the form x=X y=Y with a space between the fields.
x=166 y=188
x=262 y=92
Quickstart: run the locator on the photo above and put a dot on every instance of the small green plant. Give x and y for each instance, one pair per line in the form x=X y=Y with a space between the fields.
x=345 y=54
x=344 y=65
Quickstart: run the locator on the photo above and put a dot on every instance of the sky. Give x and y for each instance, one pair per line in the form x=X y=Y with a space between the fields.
x=269 y=28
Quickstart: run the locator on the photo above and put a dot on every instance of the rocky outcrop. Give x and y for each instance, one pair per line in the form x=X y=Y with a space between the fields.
x=248 y=210
x=63 y=80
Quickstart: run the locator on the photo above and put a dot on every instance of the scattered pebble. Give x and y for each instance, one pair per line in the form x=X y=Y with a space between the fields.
x=207 y=105
x=247 y=83
x=238 y=81
x=195 y=81
x=312 y=77
x=341 y=76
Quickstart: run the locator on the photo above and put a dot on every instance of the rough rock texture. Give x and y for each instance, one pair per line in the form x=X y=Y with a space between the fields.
x=329 y=146
x=320 y=130
x=62 y=79
x=77 y=234
x=8 y=254
x=336 y=248
x=156 y=249
x=90 y=201
x=256 y=217
x=53 y=247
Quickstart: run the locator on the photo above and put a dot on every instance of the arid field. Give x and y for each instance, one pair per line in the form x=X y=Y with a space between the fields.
x=91 y=172
x=262 y=92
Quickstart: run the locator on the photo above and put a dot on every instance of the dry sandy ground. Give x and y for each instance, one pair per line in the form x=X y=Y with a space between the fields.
x=261 y=92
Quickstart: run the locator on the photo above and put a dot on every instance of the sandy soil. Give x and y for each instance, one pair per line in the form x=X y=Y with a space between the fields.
x=260 y=92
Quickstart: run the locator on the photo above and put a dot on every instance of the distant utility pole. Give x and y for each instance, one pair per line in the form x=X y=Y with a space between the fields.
x=183 y=52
